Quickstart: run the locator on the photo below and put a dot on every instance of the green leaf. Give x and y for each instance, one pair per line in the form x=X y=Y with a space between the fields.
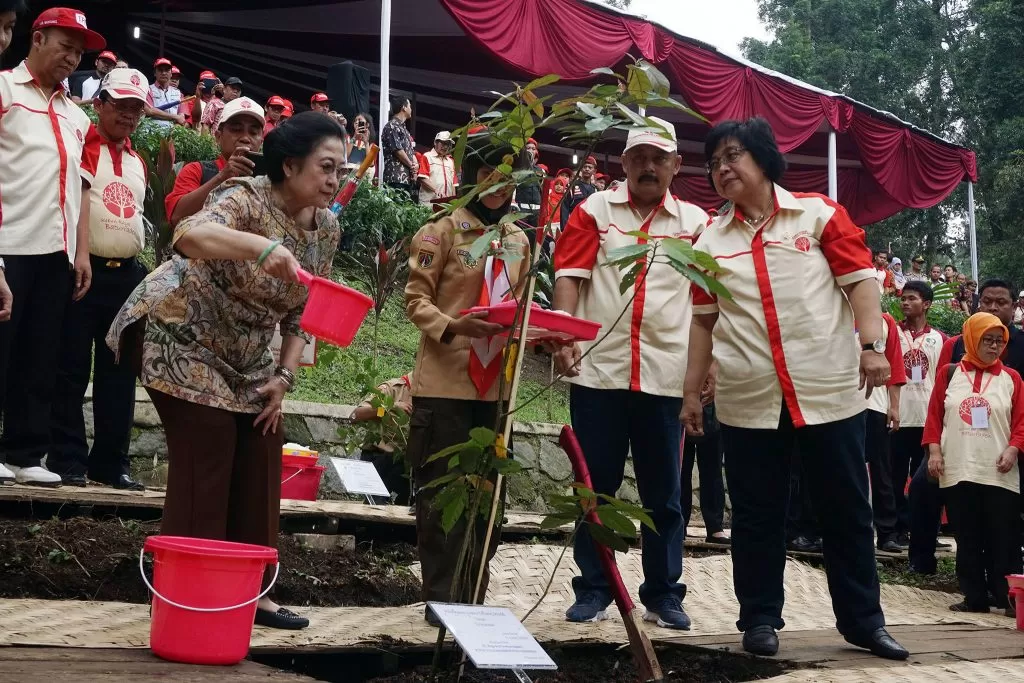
x=460 y=147
x=583 y=491
x=557 y=520
x=478 y=249
x=512 y=217
x=542 y=81
x=629 y=277
x=626 y=254
x=678 y=250
x=507 y=466
x=632 y=115
x=639 y=234
x=451 y=450
x=596 y=126
x=706 y=261
x=452 y=512
x=616 y=521
x=454 y=461
x=603 y=70
x=441 y=481
x=590 y=110
x=657 y=82
x=607 y=537
x=469 y=459
x=482 y=436
x=705 y=282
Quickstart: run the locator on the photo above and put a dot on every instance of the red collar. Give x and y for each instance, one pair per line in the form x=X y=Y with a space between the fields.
x=995 y=368
x=915 y=335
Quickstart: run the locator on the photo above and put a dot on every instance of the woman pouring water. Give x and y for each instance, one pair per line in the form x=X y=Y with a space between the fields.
x=209 y=316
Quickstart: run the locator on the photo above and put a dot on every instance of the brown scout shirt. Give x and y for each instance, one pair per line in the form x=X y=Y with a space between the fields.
x=445 y=279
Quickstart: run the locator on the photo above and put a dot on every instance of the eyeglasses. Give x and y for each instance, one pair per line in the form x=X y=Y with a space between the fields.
x=994 y=342
x=731 y=156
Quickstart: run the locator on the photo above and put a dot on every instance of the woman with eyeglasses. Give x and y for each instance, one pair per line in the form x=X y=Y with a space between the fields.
x=792 y=376
x=974 y=433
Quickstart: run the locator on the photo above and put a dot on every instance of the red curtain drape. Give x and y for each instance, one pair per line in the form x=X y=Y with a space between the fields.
x=900 y=167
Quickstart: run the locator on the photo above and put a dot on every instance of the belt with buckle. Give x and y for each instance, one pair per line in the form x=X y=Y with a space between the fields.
x=113 y=264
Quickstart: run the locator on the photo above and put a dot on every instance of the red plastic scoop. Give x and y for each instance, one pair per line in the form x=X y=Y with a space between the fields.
x=333 y=312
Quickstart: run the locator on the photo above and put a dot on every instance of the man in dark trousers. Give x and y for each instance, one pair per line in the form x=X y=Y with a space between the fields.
x=925 y=499
x=117 y=178
x=579 y=190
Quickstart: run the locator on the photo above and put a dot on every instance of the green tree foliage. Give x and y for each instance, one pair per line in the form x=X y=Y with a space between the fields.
x=909 y=57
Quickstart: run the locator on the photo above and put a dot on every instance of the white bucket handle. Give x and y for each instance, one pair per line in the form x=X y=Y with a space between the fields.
x=297 y=473
x=142 y=570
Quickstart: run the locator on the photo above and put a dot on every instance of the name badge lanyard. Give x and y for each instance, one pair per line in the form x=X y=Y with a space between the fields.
x=915 y=343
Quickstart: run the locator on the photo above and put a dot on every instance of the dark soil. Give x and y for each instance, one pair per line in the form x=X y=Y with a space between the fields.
x=614 y=665
x=88 y=559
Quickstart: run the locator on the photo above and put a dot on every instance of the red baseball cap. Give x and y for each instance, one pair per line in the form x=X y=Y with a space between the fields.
x=207 y=74
x=70 y=20
x=175 y=71
x=565 y=172
x=591 y=160
x=543 y=167
x=162 y=61
x=319 y=97
x=107 y=54
x=289 y=109
x=276 y=101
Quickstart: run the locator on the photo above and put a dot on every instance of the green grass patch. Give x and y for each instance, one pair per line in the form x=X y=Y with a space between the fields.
x=942 y=580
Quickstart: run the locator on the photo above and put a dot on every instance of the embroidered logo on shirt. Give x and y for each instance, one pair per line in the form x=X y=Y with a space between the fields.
x=431 y=239
x=426 y=258
x=973 y=402
x=467 y=258
x=465 y=225
x=802 y=242
x=918 y=357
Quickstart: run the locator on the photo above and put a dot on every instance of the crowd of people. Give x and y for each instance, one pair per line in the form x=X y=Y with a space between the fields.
x=797 y=375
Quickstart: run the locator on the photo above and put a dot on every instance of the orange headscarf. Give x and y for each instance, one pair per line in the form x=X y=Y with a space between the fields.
x=974 y=329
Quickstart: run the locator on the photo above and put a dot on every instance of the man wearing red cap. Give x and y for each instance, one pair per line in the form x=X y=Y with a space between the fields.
x=289 y=110
x=117 y=179
x=579 y=189
x=275 y=108
x=43 y=219
x=176 y=77
x=160 y=103
x=85 y=90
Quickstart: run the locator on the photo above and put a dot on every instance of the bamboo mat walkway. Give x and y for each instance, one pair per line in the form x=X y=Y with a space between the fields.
x=518 y=576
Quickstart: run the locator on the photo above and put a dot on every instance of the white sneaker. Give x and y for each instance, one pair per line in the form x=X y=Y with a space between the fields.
x=6 y=476
x=35 y=476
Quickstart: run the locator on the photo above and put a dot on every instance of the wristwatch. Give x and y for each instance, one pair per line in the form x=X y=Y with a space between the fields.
x=878 y=346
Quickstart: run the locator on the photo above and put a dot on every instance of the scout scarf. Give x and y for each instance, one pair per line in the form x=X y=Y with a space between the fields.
x=485 y=357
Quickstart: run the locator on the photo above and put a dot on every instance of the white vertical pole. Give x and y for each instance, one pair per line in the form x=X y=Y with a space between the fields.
x=973 y=231
x=833 y=173
x=384 y=113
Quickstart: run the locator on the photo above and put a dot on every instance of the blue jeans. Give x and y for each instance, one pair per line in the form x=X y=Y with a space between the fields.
x=609 y=425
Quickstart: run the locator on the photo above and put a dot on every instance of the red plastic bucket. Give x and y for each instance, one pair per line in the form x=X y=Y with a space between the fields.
x=204 y=597
x=333 y=312
x=1016 y=596
x=300 y=477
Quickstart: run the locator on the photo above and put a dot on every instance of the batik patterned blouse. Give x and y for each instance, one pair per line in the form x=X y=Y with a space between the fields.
x=210 y=322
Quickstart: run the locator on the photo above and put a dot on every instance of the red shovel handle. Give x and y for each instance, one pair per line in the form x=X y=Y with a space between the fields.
x=571 y=445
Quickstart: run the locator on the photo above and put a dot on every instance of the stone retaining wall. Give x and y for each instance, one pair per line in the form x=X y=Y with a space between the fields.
x=316 y=425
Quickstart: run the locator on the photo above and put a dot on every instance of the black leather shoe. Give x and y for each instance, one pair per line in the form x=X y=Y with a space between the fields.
x=718 y=540
x=802 y=544
x=903 y=540
x=761 y=640
x=881 y=644
x=890 y=546
x=123 y=483
x=74 y=480
x=282 y=618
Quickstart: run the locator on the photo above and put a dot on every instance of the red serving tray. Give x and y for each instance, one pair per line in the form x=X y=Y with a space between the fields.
x=544 y=325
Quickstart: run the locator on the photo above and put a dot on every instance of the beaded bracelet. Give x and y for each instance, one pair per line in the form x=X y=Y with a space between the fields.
x=266 y=252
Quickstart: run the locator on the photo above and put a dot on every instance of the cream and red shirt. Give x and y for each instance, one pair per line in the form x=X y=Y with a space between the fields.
x=117 y=179
x=41 y=140
x=787 y=333
x=920 y=360
x=879 y=399
x=440 y=172
x=973 y=417
x=646 y=349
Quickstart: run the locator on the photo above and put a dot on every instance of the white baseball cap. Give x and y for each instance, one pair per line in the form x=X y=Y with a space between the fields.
x=242 y=105
x=125 y=84
x=664 y=140
x=443 y=136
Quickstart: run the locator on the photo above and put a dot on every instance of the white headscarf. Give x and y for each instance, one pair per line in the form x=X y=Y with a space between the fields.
x=898 y=275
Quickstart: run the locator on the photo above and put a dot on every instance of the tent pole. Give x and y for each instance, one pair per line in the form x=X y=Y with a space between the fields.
x=833 y=174
x=383 y=113
x=973 y=230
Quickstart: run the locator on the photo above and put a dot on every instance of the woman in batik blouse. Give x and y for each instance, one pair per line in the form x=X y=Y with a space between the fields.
x=210 y=314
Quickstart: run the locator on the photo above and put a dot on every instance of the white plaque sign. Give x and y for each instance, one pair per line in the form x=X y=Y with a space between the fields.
x=360 y=477
x=492 y=637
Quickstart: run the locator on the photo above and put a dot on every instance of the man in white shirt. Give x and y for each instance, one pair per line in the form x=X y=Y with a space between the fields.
x=91 y=85
x=162 y=94
x=116 y=236
x=437 y=171
x=626 y=395
x=43 y=218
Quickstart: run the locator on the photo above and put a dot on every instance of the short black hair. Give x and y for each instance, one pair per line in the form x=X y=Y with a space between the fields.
x=296 y=138
x=950 y=265
x=756 y=135
x=922 y=288
x=995 y=283
x=876 y=252
x=398 y=102
x=16 y=6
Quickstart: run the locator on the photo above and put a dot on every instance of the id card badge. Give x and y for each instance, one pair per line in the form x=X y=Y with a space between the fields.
x=916 y=374
x=979 y=417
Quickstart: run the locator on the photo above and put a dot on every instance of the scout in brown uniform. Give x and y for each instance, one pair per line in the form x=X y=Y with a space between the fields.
x=455 y=385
